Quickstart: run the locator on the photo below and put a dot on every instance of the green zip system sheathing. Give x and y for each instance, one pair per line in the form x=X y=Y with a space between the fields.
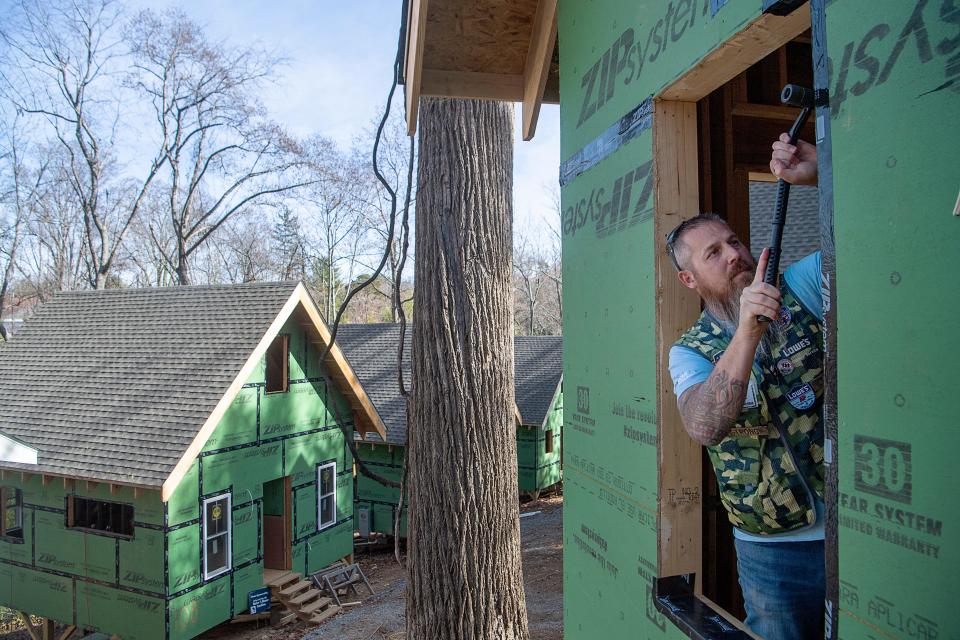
x=895 y=99
x=894 y=94
x=381 y=501
x=151 y=585
x=536 y=469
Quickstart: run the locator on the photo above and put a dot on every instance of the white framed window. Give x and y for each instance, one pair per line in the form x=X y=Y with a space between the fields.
x=11 y=513
x=217 y=531
x=326 y=495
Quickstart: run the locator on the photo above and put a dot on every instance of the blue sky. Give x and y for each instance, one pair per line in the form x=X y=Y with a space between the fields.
x=340 y=58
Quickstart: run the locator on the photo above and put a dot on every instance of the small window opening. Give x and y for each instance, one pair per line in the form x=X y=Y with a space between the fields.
x=11 y=513
x=100 y=516
x=548 y=444
x=276 y=368
x=326 y=495
x=217 y=529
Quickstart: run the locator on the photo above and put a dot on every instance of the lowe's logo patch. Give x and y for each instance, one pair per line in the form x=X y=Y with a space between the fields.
x=802 y=397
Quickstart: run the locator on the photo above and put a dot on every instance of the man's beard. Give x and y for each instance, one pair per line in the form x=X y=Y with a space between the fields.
x=726 y=311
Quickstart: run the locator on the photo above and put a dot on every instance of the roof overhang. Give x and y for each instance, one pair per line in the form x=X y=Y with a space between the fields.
x=553 y=402
x=302 y=306
x=486 y=49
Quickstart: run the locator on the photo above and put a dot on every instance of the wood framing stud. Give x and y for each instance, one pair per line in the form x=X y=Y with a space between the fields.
x=114 y=489
x=768 y=111
x=91 y=485
x=413 y=65
x=679 y=509
x=537 y=66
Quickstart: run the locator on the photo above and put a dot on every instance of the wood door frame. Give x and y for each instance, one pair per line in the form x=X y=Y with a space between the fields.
x=676 y=193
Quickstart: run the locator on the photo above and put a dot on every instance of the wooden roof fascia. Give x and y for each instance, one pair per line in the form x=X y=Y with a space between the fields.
x=210 y=424
x=337 y=362
x=471 y=84
x=413 y=63
x=553 y=401
x=537 y=65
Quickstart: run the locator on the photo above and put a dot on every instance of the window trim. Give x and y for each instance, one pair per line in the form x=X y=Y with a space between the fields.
x=18 y=514
x=207 y=575
x=320 y=496
x=285 y=373
x=72 y=510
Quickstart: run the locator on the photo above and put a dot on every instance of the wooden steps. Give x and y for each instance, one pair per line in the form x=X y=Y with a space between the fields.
x=294 y=589
x=302 y=598
x=315 y=606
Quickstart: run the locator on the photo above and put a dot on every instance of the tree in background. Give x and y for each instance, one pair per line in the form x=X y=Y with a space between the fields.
x=396 y=159
x=220 y=153
x=289 y=249
x=537 y=281
x=60 y=61
x=332 y=215
x=464 y=566
x=20 y=189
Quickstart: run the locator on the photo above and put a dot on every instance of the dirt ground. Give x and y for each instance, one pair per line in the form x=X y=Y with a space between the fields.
x=381 y=616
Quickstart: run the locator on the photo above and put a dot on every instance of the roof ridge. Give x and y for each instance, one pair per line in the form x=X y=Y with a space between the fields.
x=178 y=288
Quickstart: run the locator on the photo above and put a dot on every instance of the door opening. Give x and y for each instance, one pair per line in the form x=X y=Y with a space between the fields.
x=277 y=524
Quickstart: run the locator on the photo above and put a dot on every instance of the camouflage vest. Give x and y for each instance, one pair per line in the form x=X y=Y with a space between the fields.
x=756 y=468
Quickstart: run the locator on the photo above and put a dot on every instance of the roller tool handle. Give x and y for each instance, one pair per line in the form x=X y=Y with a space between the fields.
x=776 y=233
x=793 y=95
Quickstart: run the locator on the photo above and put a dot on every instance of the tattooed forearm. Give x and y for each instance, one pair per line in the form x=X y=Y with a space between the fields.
x=709 y=409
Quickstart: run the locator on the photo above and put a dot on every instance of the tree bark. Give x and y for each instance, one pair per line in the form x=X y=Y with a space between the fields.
x=465 y=579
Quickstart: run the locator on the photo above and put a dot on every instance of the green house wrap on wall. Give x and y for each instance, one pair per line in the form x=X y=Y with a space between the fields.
x=371 y=350
x=669 y=108
x=185 y=440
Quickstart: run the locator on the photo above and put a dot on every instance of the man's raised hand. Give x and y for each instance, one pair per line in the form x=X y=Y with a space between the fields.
x=797 y=164
x=759 y=299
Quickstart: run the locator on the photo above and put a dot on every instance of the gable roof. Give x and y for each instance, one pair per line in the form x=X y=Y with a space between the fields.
x=371 y=351
x=537 y=370
x=126 y=385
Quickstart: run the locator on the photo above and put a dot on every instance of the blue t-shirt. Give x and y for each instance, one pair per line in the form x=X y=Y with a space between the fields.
x=689 y=367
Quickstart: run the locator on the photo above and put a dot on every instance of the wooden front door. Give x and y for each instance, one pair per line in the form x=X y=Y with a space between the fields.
x=277 y=526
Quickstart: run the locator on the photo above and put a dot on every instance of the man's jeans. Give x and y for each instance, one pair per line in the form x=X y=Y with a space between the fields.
x=783 y=588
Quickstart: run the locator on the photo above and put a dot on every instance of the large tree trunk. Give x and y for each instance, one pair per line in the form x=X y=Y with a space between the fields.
x=465 y=580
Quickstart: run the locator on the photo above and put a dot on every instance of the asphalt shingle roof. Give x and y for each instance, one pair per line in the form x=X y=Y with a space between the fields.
x=114 y=385
x=371 y=351
x=537 y=368
x=801 y=233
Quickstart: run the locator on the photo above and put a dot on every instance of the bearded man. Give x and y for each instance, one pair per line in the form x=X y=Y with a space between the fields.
x=751 y=391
